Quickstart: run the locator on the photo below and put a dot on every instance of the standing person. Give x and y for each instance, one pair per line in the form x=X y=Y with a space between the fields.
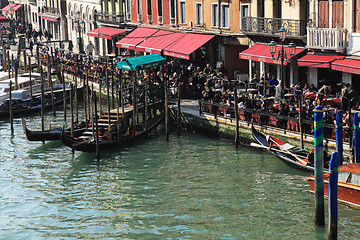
x=35 y=35
x=90 y=48
x=31 y=46
x=28 y=35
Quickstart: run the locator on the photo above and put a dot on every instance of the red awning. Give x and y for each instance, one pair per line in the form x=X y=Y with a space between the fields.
x=346 y=65
x=11 y=5
x=187 y=44
x=135 y=37
x=261 y=53
x=318 y=61
x=3 y=19
x=53 y=19
x=105 y=32
x=157 y=42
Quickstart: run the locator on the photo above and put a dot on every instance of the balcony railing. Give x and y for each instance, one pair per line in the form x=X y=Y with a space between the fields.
x=271 y=26
x=149 y=19
x=51 y=10
x=33 y=2
x=327 y=38
x=160 y=20
x=106 y=17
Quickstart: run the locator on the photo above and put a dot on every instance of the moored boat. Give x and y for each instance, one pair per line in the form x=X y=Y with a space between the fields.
x=291 y=155
x=348 y=184
x=49 y=135
x=86 y=141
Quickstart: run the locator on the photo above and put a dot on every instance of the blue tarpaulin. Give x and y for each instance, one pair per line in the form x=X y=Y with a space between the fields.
x=142 y=62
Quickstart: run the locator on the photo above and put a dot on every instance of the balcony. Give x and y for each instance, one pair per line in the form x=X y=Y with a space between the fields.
x=33 y=2
x=327 y=39
x=271 y=26
x=106 y=17
x=51 y=11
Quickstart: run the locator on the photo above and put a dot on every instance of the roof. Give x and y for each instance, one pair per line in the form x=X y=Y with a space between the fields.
x=105 y=32
x=142 y=62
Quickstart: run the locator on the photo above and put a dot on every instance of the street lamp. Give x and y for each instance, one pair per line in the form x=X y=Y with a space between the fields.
x=12 y=26
x=282 y=55
x=79 y=24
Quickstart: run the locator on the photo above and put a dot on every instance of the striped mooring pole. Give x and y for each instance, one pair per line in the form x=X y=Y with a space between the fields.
x=339 y=136
x=356 y=138
x=333 y=207
x=319 y=167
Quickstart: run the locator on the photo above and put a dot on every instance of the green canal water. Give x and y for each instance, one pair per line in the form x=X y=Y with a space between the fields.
x=191 y=187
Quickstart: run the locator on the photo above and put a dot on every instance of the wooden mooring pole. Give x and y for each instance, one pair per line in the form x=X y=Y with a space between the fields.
x=50 y=83
x=333 y=204
x=339 y=136
x=300 y=125
x=11 y=109
x=319 y=167
x=356 y=138
x=166 y=111
x=236 y=117
x=178 y=118
x=30 y=80
x=42 y=99
x=64 y=92
x=96 y=132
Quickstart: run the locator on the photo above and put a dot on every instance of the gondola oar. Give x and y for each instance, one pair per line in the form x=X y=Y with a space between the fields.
x=300 y=160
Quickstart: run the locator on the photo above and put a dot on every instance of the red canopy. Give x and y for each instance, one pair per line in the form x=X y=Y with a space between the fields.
x=346 y=65
x=137 y=36
x=53 y=19
x=158 y=41
x=3 y=19
x=318 y=61
x=105 y=32
x=187 y=44
x=261 y=53
x=11 y=5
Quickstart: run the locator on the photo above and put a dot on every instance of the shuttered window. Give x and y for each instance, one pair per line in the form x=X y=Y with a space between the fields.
x=338 y=14
x=323 y=14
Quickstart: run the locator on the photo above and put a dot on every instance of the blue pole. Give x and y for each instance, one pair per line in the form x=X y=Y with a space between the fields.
x=339 y=136
x=319 y=167
x=333 y=207
x=356 y=138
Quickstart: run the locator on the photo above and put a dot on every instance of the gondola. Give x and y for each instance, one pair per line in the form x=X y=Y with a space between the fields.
x=291 y=155
x=22 y=107
x=87 y=143
x=48 y=135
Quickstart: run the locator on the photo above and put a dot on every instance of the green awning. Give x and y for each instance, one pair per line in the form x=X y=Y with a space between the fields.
x=142 y=62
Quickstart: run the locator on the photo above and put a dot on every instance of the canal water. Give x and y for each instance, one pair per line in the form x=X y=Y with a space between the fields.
x=192 y=187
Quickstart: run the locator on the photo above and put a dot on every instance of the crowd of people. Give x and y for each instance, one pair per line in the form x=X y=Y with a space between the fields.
x=207 y=83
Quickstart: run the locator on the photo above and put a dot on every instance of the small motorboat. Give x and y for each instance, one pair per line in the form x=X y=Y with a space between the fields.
x=348 y=184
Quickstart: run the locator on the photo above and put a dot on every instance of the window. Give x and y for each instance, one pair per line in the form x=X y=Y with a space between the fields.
x=128 y=9
x=198 y=12
x=182 y=12
x=244 y=12
x=214 y=15
x=139 y=7
x=159 y=8
x=172 y=9
x=149 y=8
x=224 y=15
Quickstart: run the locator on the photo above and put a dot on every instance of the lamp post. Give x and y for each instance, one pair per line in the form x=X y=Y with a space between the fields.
x=282 y=55
x=79 y=25
x=12 y=25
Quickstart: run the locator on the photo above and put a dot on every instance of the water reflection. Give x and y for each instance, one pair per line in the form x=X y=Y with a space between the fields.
x=190 y=187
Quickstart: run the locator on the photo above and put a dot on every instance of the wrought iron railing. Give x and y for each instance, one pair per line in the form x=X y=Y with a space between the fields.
x=106 y=17
x=271 y=26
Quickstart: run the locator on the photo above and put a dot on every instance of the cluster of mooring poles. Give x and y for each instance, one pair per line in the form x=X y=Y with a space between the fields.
x=335 y=161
